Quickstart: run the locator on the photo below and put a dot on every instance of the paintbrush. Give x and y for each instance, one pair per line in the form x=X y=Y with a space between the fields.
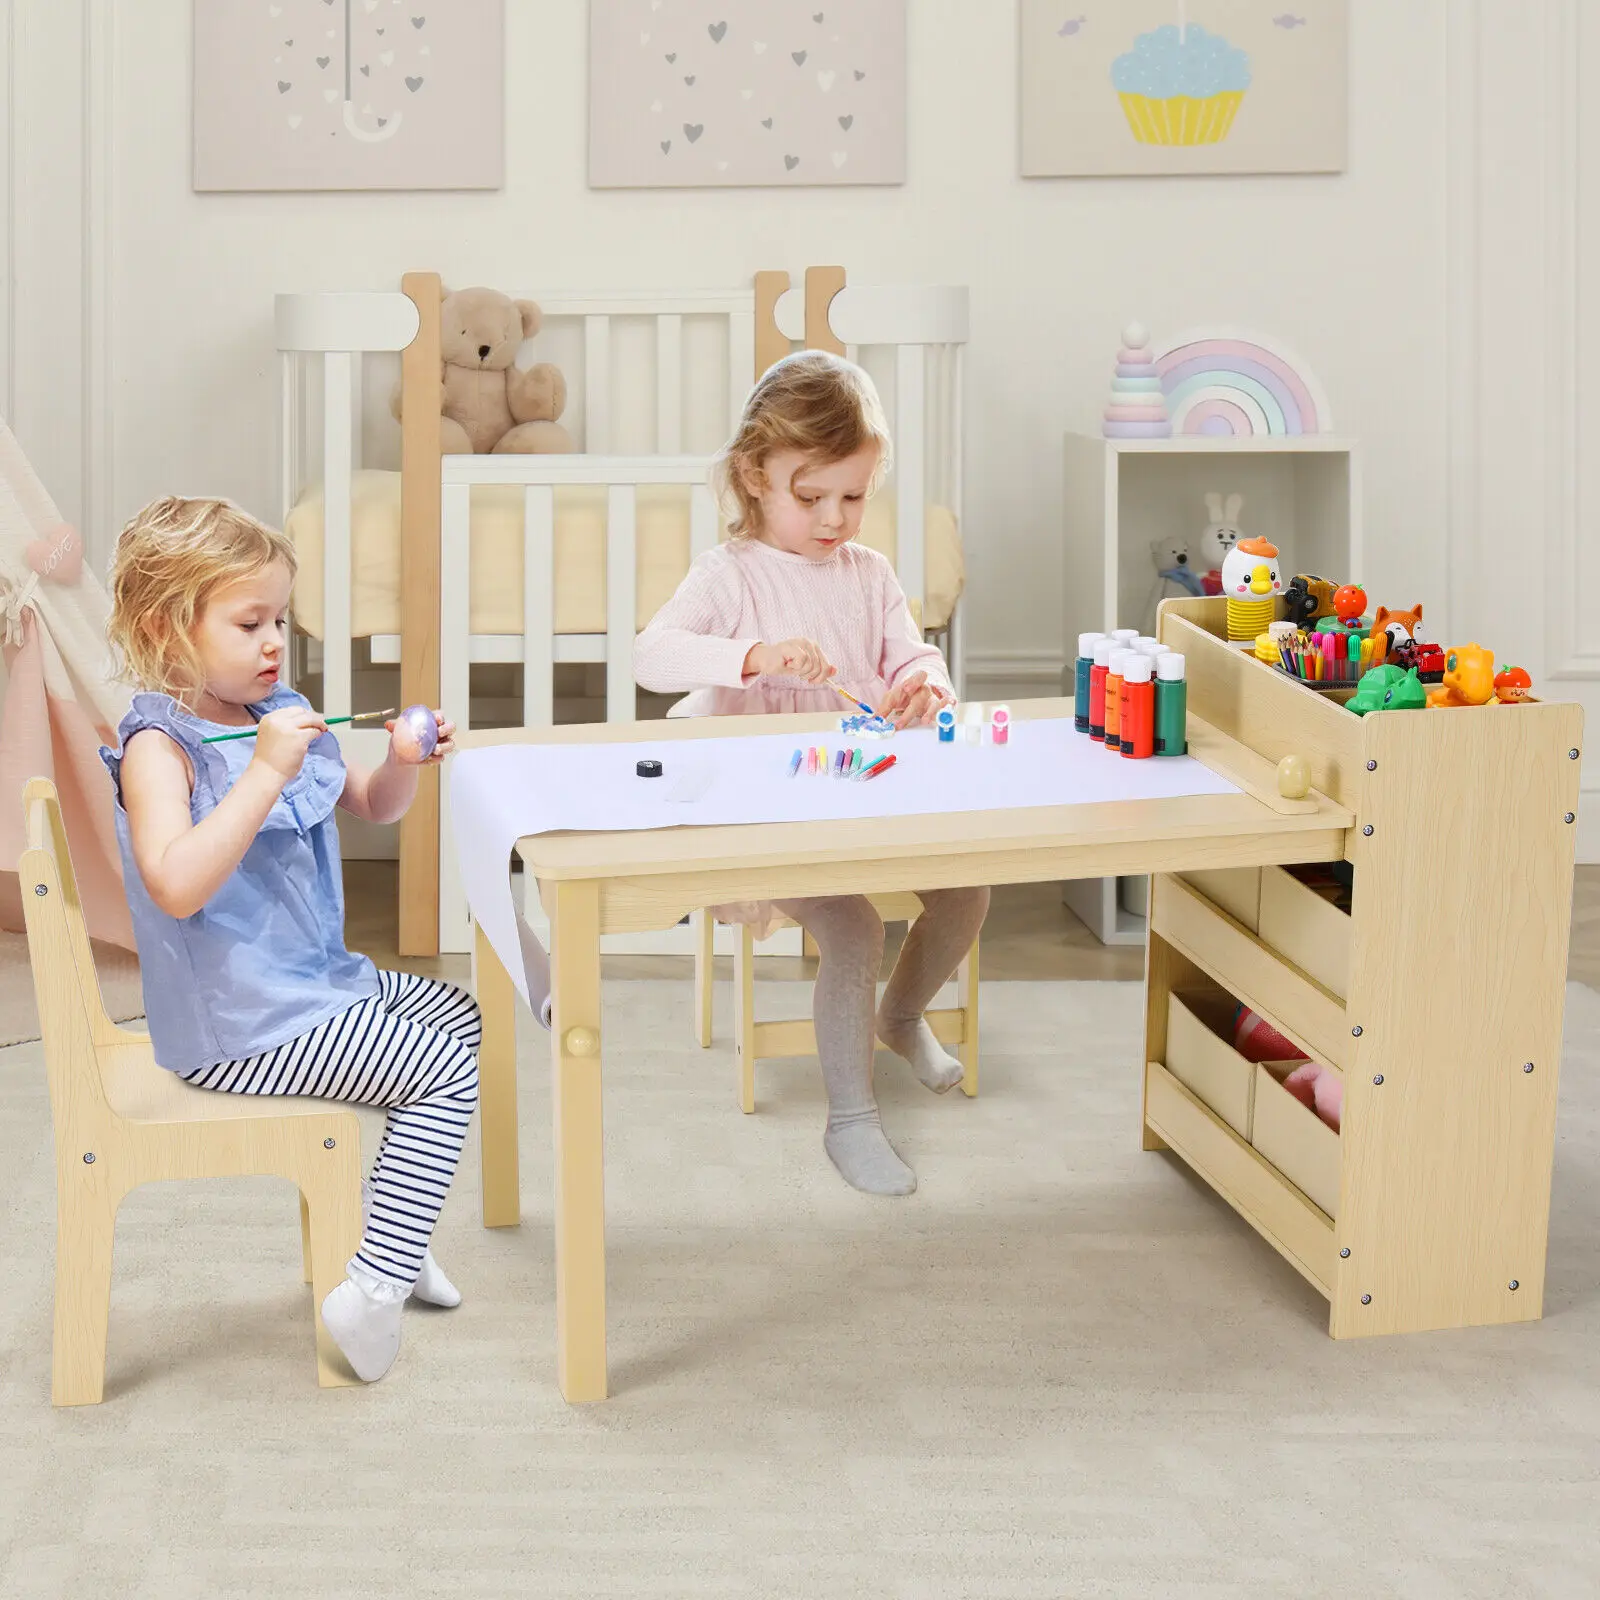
x=852 y=699
x=250 y=733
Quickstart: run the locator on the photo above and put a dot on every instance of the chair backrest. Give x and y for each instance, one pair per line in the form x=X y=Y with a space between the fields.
x=72 y=1015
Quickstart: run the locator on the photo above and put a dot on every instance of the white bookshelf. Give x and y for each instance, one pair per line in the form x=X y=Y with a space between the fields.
x=1303 y=492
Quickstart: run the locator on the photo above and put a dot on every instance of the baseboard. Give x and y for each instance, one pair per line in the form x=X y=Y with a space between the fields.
x=1021 y=673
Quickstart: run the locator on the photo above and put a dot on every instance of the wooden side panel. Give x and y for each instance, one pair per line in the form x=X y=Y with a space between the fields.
x=1257 y=704
x=822 y=284
x=1463 y=899
x=419 y=605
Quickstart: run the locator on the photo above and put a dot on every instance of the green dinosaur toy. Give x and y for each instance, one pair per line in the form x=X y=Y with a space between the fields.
x=1374 y=685
x=1409 y=694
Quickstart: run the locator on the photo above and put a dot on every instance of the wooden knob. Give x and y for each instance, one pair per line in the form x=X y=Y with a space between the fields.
x=581 y=1042
x=1294 y=778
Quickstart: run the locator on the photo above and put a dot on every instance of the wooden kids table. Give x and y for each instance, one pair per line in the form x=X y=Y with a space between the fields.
x=1458 y=964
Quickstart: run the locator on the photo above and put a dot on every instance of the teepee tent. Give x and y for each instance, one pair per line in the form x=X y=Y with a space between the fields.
x=58 y=700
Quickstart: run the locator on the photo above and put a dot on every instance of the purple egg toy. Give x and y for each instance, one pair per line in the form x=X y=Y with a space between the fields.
x=415 y=735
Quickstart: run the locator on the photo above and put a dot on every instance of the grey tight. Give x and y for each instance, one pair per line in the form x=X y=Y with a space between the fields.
x=849 y=936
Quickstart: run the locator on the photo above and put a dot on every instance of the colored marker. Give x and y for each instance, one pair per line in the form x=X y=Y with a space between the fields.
x=822 y=759
x=869 y=766
x=811 y=762
x=855 y=764
x=840 y=762
x=877 y=767
x=795 y=760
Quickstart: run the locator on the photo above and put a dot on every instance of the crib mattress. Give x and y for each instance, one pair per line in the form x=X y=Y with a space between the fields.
x=580 y=555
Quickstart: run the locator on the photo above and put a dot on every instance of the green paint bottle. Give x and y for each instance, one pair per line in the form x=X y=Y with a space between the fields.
x=1172 y=705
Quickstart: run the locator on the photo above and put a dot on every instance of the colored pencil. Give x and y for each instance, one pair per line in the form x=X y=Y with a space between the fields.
x=250 y=733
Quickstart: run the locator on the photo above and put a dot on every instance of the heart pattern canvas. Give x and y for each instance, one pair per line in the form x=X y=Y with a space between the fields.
x=775 y=91
x=374 y=94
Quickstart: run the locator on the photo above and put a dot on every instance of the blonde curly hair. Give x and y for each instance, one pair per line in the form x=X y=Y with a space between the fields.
x=169 y=561
x=819 y=404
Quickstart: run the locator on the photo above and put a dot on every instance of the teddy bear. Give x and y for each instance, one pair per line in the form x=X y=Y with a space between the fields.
x=488 y=404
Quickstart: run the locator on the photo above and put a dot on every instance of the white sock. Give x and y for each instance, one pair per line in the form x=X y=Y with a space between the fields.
x=432 y=1286
x=363 y=1316
x=934 y=1067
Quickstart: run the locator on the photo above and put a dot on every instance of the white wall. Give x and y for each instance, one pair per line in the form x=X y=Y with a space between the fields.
x=1416 y=284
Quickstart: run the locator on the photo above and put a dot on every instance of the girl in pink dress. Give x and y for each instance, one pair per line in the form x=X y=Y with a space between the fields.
x=766 y=622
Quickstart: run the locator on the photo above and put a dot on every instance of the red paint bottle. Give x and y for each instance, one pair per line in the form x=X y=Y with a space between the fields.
x=1138 y=722
x=1097 y=688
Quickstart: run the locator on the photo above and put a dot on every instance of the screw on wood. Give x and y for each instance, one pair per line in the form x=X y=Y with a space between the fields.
x=1377 y=1077
x=1366 y=1299
x=1512 y=1286
x=1344 y=1255
x=328 y=1144
x=41 y=889
x=1355 y=1032
x=1372 y=766
x=1572 y=755
x=1571 y=816
x=1366 y=832
x=1527 y=1066
x=88 y=1158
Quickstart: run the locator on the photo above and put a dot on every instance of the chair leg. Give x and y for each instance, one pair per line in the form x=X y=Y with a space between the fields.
x=967 y=979
x=704 y=971
x=330 y=1195
x=744 y=1015
x=305 y=1241
x=83 y=1301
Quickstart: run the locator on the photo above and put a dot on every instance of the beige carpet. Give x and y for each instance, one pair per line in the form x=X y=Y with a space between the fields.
x=19 y=1016
x=1062 y=1368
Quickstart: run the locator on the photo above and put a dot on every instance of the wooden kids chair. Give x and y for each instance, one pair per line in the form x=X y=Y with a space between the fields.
x=120 y=1120
x=753 y=1041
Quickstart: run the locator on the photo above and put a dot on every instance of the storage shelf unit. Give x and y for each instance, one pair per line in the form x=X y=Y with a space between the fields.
x=1437 y=997
x=1124 y=495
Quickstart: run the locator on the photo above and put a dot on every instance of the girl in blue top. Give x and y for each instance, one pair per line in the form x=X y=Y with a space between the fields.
x=230 y=857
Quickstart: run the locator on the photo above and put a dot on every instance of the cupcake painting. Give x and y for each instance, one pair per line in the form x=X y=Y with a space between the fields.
x=1124 y=87
x=1181 y=85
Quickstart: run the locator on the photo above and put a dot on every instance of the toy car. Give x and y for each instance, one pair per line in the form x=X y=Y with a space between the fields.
x=1430 y=661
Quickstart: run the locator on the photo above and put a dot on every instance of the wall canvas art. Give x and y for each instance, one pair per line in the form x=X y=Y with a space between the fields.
x=712 y=92
x=349 y=94
x=1114 y=87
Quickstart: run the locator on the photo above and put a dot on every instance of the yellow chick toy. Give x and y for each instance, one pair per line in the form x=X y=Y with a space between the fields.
x=1251 y=580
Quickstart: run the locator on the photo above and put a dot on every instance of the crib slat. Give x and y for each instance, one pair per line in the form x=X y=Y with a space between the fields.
x=357 y=409
x=621 y=582
x=455 y=685
x=741 y=363
x=455 y=600
x=538 y=605
x=910 y=471
x=669 y=385
x=702 y=520
x=336 y=531
x=596 y=385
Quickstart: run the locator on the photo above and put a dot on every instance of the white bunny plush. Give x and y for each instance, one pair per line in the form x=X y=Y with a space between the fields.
x=1221 y=534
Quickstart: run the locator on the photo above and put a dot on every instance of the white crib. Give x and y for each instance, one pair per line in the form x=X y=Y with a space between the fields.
x=655 y=382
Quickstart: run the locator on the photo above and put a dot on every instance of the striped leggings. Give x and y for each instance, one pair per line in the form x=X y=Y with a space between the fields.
x=412 y=1048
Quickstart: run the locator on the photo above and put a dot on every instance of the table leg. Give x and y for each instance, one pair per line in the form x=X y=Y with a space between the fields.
x=580 y=1241
x=497 y=1086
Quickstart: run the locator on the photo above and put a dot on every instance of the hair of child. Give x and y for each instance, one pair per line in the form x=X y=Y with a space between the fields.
x=825 y=407
x=169 y=561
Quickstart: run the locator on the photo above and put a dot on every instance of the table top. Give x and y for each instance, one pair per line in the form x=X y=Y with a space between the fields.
x=1016 y=845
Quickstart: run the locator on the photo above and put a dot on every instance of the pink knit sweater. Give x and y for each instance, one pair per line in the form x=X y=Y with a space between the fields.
x=745 y=593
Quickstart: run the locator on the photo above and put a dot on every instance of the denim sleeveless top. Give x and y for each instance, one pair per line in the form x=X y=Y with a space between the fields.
x=264 y=959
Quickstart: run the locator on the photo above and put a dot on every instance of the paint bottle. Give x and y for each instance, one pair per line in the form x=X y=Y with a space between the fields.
x=1147 y=645
x=1172 y=706
x=1097 y=687
x=1119 y=659
x=1082 y=668
x=947 y=725
x=1124 y=637
x=1138 y=708
x=1000 y=725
